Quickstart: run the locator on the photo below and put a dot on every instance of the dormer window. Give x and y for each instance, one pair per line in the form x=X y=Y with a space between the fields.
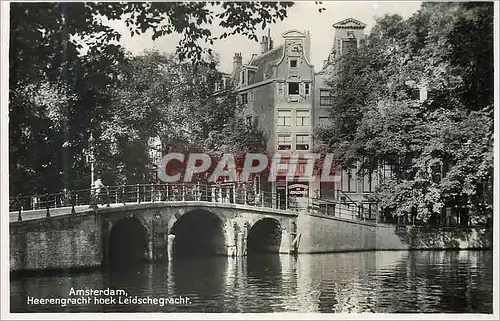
x=243 y=78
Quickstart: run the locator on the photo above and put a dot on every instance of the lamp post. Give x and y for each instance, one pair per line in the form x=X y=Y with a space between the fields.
x=91 y=160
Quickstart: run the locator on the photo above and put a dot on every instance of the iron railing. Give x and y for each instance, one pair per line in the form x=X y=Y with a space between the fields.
x=226 y=193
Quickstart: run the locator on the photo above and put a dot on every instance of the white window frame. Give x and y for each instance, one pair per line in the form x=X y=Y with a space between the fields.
x=287 y=140
x=286 y=119
x=288 y=88
x=303 y=142
x=301 y=118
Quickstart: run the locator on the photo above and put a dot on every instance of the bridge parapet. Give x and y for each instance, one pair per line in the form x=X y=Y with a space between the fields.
x=45 y=205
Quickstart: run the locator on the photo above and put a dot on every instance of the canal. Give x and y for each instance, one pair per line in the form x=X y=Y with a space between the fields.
x=378 y=282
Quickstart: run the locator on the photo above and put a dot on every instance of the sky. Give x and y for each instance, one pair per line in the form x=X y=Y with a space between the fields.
x=303 y=15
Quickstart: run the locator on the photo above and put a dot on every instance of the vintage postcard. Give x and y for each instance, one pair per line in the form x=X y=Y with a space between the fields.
x=249 y=159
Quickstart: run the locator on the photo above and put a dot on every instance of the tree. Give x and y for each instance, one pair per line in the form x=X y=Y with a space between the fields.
x=159 y=96
x=439 y=148
x=65 y=50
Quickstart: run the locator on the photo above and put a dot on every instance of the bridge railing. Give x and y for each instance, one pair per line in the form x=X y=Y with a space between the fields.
x=227 y=193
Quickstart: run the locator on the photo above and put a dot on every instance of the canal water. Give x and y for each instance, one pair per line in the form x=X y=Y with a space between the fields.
x=378 y=282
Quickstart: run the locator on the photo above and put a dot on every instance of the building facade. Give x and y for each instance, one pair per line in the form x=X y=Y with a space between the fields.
x=281 y=91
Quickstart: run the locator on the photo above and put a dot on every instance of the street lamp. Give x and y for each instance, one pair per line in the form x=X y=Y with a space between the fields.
x=91 y=160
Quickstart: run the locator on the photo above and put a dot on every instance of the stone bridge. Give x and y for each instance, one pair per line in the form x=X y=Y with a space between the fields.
x=150 y=231
x=120 y=233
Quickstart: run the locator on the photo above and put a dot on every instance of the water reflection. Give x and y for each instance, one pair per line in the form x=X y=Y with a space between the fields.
x=381 y=282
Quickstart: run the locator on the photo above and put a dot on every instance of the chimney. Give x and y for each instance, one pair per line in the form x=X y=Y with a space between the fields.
x=270 y=44
x=237 y=61
x=264 y=44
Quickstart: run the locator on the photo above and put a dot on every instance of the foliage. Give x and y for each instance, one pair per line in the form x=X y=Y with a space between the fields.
x=160 y=96
x=440 y=148
x=63 y=81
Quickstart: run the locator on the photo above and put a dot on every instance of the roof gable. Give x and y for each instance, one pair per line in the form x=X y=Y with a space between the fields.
x=264 y=64
x=349 y=23
x=294 y=34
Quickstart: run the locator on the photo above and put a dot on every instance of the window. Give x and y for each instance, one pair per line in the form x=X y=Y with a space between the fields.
x=307 y=89
x=324 y=121
x=293 y=64
x=244 y=98
x=280 y=89
x=243 y=78
x=248 y=121
x=284 y=117
x=303 y=118
x=368 y=182
x=388 y=170
x=293 y=88
x=371 y=211
x=325 y=98
x=422 y=94
x=349 y=45
x=284 y=142
x=302 y=142
x=348 y=181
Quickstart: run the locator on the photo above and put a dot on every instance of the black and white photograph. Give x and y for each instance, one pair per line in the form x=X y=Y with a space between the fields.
x=248 y=159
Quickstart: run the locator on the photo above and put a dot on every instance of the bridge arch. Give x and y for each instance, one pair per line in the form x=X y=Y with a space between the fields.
x=128 y=242
x=198 y=232
x=264 y=236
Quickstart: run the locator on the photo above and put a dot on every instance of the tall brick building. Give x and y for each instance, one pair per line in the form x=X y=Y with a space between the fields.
x=281 y=91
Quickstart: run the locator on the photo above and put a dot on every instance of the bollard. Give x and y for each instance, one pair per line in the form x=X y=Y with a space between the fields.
x=72 y=202
x=19 y=216
x=47 y=204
